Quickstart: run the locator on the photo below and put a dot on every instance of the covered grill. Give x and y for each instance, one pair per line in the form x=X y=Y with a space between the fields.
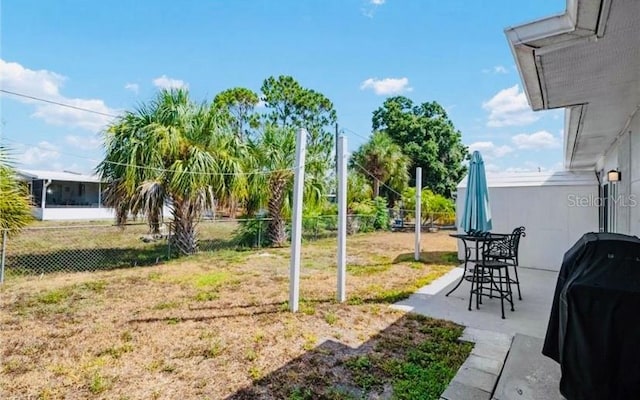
x=594 y=327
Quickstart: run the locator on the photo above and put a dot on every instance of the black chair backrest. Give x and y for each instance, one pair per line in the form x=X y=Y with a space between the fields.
x=506 y=248
x=514 y=240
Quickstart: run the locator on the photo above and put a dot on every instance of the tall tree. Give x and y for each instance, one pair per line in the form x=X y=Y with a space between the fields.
x=428 y=137
x=384 y=162
x=238 y=104
x=293 y=106
x=15 y=207
x=171 y=151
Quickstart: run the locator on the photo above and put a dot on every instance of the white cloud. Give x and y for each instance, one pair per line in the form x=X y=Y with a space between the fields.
x=44 y=153
x=164 y=82
x=497 y=69
x=509 y=107
x=490 y=150
x=134 y=87
x=387 y=86
x=370 y=9
x=538 y=140
x=47 y=156
x=530 y=166
x=46 y=85
x=520 y=169
x=84 y=142
x=488 y=167
x=56 y=115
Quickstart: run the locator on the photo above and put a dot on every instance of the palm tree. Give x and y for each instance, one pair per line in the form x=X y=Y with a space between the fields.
x=358 y=196
x=384 y=162
x=273 y=155
x=171 y=151
x=15 y=207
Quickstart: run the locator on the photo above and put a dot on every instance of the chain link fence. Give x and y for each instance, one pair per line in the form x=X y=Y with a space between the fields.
x=404 y=219
x=77 y=248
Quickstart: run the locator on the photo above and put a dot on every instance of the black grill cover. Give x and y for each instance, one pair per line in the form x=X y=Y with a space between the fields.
x=594 y=327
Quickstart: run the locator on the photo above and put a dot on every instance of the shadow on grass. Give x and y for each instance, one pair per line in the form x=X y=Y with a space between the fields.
x=80 y=260
x=390 y=296
x=430 y=257
x=207 y=318
x=283 y=305
x=313 y=236
x=239 y=306
x=218 y=244
x=416 y=357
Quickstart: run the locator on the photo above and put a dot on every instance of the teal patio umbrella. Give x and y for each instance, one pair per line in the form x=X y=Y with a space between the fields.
x=476 y=216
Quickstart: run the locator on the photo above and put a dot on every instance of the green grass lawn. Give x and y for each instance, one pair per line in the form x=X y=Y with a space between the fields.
x=217 y=325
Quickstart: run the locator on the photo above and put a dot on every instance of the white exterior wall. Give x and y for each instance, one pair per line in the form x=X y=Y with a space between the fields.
x=625 y=156
x=72 y=213
x=79 y=213
x=551 y=215
x=634 y=176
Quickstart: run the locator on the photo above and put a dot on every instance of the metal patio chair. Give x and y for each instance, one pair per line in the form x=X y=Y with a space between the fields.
x=507 y=251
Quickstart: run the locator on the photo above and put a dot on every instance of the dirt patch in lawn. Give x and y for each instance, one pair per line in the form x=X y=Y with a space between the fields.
x=216 y=325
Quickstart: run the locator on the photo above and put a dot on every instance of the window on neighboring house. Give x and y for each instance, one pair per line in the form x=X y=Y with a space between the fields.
x=81 y=189
x=36 y=190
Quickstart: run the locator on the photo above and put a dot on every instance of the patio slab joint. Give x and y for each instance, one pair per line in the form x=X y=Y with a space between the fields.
x=478 y=376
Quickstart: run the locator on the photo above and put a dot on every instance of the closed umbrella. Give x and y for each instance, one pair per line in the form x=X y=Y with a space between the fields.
x=476 y=216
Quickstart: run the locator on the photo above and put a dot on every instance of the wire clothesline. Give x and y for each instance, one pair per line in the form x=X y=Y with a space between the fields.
x=158 y=169
x=374 y=177
x=57 y=103
x=239 y=173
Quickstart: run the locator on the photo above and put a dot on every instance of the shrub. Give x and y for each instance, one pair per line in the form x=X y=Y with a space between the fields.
x=381 y=217
x=252 y=233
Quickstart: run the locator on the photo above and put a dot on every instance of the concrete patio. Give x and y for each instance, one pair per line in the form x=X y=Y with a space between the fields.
x=530 y=317
x=506 y=362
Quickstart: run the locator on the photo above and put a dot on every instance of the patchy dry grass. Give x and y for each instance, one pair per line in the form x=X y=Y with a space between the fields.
x=216 y=325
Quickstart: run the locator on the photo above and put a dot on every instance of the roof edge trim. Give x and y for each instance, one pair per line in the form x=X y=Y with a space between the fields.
x=532 y=40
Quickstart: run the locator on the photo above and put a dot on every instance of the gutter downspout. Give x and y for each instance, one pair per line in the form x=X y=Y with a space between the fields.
x=600 y=216
x=99 y=194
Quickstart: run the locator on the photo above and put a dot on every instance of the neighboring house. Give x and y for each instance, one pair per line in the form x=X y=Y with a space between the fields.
x=65 y=195
x=587 y=61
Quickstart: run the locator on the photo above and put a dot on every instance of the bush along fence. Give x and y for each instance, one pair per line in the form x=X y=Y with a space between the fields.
x=78 y=248
x=405 y=219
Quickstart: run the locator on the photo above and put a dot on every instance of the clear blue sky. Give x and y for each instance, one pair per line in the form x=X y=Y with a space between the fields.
x=110 y=55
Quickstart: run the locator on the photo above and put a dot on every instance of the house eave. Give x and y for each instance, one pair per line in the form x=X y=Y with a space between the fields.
x=582 y=21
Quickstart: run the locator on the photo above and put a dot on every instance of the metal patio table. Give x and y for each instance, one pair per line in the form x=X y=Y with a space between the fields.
x=479 y=240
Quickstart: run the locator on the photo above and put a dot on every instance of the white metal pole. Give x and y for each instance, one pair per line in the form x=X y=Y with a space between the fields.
x=4 y=253
x=296 y=224
x=418 y=212
x=342 y=218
